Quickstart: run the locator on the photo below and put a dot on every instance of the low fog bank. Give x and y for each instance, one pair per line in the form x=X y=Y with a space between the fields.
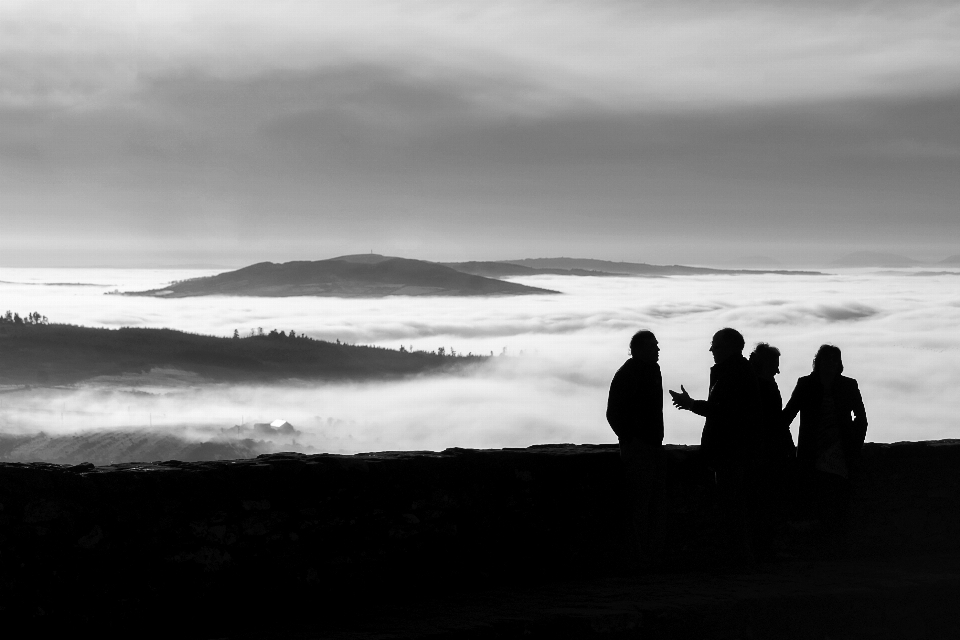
x=515 y=403
x=897 y=332
x=112 y=447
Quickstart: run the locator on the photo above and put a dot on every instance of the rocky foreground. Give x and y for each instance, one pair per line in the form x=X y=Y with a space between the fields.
x=462 y=543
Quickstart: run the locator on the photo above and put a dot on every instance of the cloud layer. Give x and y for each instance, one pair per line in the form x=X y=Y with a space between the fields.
x=185 y=132
x=897 y=333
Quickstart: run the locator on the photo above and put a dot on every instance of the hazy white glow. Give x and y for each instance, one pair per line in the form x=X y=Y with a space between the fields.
x=897 y=332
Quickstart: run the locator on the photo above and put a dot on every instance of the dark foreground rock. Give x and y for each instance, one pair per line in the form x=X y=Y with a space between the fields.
x=519 y=542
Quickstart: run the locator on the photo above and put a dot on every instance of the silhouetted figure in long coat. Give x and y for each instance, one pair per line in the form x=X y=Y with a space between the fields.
x=731 y=415
x=833 y=426
x=771 y=463
x=635 y=413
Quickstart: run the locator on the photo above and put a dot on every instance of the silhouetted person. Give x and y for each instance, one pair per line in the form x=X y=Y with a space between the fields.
x=731 y=415
x=833 y=425
x=635 y=412
x=772 y=457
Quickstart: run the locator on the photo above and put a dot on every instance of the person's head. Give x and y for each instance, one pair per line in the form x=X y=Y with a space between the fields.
x=726 y=342
x=765 y=360
x=644 y=346
x=828 y=362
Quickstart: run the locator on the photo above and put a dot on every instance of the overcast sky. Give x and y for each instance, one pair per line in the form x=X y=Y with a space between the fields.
x=169 y=132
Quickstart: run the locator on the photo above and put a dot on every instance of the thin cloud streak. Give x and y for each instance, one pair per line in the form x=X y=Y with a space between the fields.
x=613 y=54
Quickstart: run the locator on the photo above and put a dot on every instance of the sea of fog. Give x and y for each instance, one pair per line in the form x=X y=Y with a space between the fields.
x=555 y=355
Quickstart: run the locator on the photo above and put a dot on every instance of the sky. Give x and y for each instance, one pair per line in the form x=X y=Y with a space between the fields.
x=175 y=133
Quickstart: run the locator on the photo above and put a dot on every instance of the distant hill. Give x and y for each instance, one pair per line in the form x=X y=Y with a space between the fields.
x=638 y=268
x=65 y=354
x=360 y=276
x=923 y=274
x=951 y=260
x=875 y=259
x=507 y=269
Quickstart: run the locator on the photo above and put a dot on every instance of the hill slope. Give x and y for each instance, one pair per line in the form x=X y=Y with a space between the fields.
x=65 y=354
x=507 y=269
x=362 y=276
x=638 y=268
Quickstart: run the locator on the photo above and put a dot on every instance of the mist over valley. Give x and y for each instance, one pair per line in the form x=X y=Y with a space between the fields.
x=553 y=357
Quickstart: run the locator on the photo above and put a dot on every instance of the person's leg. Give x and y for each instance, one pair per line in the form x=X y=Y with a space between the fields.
x=834 y=513
x=761 y=494
x=730 y=494
x=653 y=504
x=636 y=500
x=830 y=507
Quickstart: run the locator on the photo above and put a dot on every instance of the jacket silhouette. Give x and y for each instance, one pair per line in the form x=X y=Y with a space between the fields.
x=850 y=419
x=635 y=403
x=773 y=444
x=730 y=411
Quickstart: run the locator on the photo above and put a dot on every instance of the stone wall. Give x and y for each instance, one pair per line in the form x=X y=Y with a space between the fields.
x=335 y=530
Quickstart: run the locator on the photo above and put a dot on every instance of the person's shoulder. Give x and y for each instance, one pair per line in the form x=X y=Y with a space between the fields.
x=649 y=366
x=626 y=369
x=743 y=367
x=848 y=383
x=768 y=385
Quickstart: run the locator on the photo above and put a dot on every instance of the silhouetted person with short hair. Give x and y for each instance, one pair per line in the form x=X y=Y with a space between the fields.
x=731 y=414
x=833 y=426
x=771 y=461
x=635 y=413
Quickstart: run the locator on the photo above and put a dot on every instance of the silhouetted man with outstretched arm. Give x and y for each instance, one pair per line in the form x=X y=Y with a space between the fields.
x=731 y=414
x=635 y=412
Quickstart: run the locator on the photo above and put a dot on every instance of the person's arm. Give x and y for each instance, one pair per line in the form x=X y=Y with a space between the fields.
x=684 y=402
x=615 y=405
x=785 y=446
x=793 y=406
x=859 y=415
x=700 y=407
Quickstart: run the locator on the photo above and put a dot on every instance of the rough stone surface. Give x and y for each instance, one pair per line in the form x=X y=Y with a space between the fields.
x=315 y=542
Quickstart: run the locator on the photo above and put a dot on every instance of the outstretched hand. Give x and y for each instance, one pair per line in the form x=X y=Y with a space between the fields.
x=681 y=400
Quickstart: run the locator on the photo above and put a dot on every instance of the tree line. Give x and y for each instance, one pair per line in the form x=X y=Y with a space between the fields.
x=31 y=318
x=274 y=334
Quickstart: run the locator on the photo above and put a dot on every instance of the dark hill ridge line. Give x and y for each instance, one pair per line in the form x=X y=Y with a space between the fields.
x=640 y=268
x=509 y=269
x=66 y=354
x=362 y=276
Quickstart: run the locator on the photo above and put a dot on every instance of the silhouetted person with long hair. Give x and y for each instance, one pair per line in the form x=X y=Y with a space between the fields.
x=731 y=415
x=773 y=454
x=635 y=413
x=833 y=425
